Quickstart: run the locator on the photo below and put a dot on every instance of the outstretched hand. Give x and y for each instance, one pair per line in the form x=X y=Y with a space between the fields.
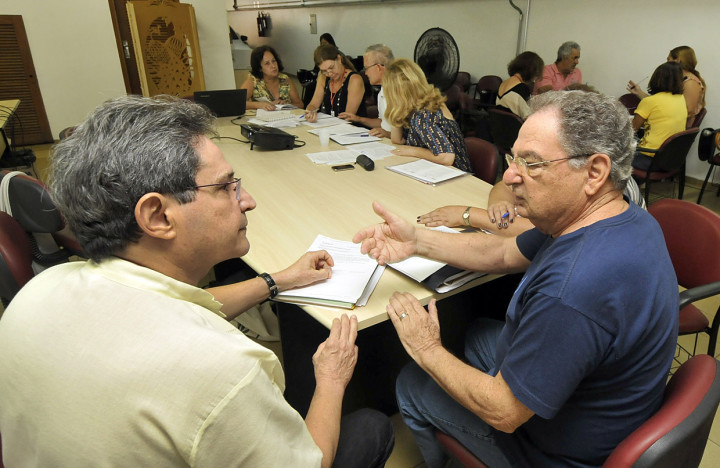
x=389 y=242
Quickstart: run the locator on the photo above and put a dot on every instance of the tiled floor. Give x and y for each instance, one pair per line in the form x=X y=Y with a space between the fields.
x=406 y=454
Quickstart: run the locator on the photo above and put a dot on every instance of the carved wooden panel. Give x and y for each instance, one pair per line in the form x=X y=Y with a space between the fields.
x=167 y=48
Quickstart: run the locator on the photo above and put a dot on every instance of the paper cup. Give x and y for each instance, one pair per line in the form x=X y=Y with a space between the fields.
x=324 y=135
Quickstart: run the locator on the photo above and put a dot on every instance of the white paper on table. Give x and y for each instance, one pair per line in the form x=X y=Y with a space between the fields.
x=350 y=275
x=285 y=123
x=373 y=150
x=333 y=157
x=426 y=171
x=419 y=268
x=324 y=122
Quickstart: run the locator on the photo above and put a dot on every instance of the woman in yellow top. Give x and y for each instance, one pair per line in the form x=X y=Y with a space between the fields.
x=267 y=86
x=693 y=84
x=663 y=113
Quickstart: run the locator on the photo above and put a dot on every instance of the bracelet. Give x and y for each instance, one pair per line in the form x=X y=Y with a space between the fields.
x=271 y=284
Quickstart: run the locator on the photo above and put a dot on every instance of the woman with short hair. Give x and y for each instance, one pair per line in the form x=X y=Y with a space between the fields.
x=267 y=86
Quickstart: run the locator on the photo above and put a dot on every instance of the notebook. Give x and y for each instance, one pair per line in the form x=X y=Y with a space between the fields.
x=274 y=116
x=223 y=103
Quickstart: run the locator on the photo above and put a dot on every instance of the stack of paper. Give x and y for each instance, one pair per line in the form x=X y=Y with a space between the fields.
x=435 y=275
x=427 y=172
x=354 y=277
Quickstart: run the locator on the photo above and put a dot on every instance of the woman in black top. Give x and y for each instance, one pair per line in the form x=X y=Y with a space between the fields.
x=340 y=88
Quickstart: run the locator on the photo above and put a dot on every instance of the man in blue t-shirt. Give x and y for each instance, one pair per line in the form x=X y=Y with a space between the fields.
x=582 y=357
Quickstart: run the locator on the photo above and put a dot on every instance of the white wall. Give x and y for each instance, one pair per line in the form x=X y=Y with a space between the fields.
x=620 y=39
x=76 y=59
x=75 y=56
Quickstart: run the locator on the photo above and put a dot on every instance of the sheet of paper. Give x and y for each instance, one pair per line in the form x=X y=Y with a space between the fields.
x=333 y=157
x=426 y=171
x=350 y=275
x=353 y=138
x=342 y=129
x=373 y=150
x=286 y=123
x=419 y=268
x=323 y=122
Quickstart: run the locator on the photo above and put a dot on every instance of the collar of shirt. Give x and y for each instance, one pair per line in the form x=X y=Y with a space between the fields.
x=136 y=276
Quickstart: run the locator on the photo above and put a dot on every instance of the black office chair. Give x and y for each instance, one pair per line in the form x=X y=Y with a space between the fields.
x=504 y=129
x=486 y=90
x=668 y=161
x=15 y=258
x=699 y=117
x=707 y=147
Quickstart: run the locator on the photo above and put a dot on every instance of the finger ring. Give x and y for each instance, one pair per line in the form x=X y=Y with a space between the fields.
x=403 y=315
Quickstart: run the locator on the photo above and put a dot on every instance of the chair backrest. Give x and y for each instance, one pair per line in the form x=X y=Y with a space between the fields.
x=483 y=158
x=672 y=153
x=630 y=101
x=15 y=257
x=453 y=95
x=504 y=128
x=31 y=204
x=692 y=236
x=487 y=88
x=677 y=434
x=463 y=81
x=699 y=117
x=707 y=143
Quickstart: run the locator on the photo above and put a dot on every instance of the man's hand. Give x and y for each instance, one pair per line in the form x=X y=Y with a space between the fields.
x=450 y=216
x=418 y=330
x=335 y=358
x=310 y=268
x=391 y=241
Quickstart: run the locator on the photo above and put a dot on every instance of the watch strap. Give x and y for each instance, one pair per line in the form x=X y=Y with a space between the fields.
x=271 y=284
x=466 y=217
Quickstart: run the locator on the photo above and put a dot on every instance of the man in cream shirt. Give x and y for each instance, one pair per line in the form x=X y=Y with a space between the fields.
x=122 y=360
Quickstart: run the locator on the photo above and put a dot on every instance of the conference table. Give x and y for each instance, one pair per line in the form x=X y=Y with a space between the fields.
x=297 y=200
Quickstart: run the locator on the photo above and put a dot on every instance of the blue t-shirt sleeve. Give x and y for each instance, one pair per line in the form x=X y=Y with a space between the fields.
x=547 y=362
x=530 y=242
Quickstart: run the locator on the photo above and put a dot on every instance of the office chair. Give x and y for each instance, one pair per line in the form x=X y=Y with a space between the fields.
x=15 y=258
x=630 y=101
x=483 y=158
x=699 y=118
x=692 y=236
x=29 y=203
x=674 y=436
x=486 y=90
x=677 y=434
x=668 y=161
x=707 y=146
x=504 y=128
x=463 y=81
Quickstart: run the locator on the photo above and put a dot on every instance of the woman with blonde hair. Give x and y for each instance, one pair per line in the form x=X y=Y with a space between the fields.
x=693 y=84
x=418 y=108
x=340 y=88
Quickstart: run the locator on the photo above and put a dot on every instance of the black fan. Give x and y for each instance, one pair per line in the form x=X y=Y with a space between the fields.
x=437 y=54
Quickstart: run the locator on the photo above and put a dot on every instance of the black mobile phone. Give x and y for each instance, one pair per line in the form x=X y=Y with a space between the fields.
x=343 y=167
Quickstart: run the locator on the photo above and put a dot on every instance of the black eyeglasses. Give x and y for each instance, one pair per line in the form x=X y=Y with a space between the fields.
x=236 y=181
x=369 y=67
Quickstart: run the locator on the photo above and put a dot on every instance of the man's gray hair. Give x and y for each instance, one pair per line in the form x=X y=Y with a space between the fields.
x=126 y=148
x=592 y=123
x=382 y=52
x=566 y=49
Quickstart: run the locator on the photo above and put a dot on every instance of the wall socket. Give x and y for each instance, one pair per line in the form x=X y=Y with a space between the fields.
x=313 y=24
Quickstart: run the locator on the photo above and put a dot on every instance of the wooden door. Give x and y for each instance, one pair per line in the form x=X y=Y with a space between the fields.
x=167 y=47
x=126 y=49
x=29 y=125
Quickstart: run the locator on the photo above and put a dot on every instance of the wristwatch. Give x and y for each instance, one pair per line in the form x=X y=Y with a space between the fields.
x=271 y=284
x=466 y=216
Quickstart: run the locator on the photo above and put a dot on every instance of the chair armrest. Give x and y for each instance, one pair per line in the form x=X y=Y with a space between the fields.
x=701 y=292
x=646 y=150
